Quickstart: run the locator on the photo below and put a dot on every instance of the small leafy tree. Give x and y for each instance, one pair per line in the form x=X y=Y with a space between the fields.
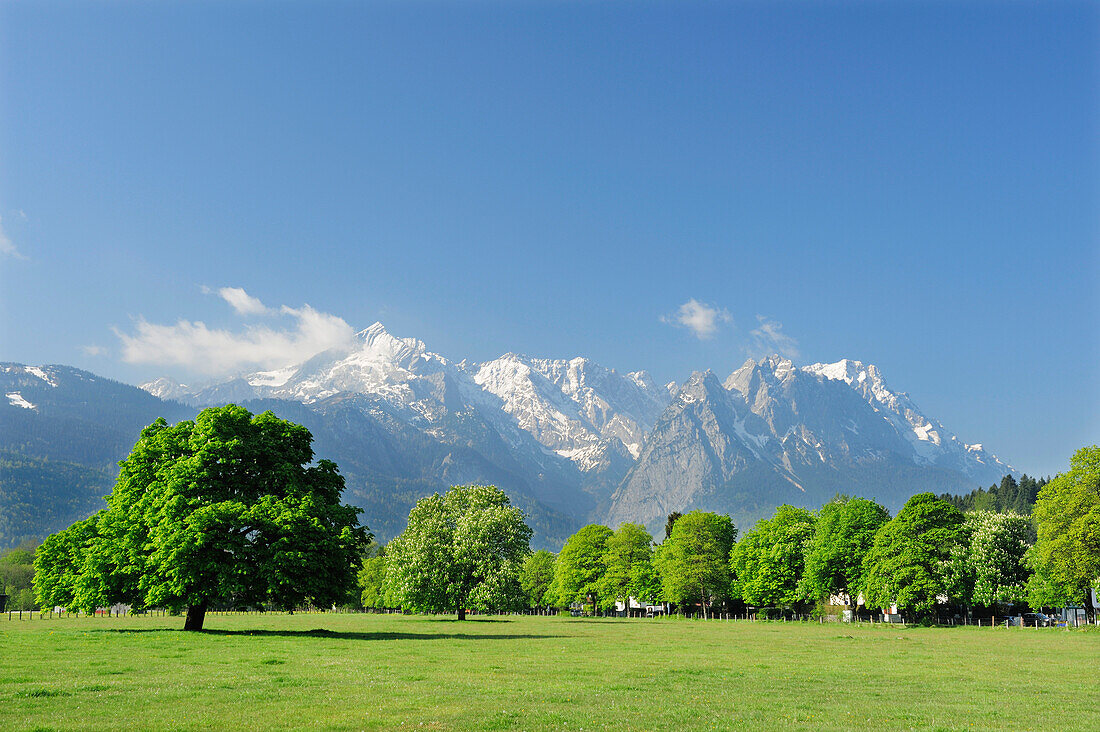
x=462 y=550
x=844 y=533
x=908 y=562
x=224 y=509
x=768 y=561
x=60 y=563
x=670 y=522
x=1067 y=517
x=988 y=565
x=372 y=578
x=693 y=562
x=17 y=576
x=629 y=549
x=537 y=578
x=581 y=563
x=1043 y=590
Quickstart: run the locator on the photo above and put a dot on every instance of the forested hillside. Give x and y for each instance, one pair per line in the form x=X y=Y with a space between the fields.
x=39 y=497
x=1008 y=496
x=62 y=433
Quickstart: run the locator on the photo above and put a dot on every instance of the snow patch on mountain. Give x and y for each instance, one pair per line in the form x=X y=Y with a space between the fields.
x=278 y=377
x=586 y=458
x=17 y=400
x=166 y=388
x=574 y=406
x=36 y=371
x=931 y=441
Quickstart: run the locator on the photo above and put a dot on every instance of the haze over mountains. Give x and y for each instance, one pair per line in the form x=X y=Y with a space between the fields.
x=570 y=440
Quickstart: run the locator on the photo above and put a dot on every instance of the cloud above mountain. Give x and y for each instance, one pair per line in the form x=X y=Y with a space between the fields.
x=242 y=302
x=701 y=319
x=220 y=351
x=769 y=338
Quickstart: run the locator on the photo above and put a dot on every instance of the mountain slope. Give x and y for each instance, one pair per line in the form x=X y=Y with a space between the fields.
x=39 y=497
x=932 y=443
x=62 y=433
x=774 y=433
x=588 y=414
x=707 y=451
x=65 y=414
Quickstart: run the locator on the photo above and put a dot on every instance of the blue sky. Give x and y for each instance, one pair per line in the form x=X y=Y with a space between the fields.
x=911 y=184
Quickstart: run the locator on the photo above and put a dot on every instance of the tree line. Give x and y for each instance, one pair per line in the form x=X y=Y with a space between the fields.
x=230 y=510
x=929 y=556
x=1009 y=496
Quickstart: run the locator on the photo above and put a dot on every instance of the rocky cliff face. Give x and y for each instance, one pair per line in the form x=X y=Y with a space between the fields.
x=774 y=433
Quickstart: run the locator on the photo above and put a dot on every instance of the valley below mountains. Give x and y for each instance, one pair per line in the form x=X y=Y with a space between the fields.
x=571 y=441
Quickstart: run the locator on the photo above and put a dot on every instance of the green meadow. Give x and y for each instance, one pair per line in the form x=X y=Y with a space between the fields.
x=349 y=671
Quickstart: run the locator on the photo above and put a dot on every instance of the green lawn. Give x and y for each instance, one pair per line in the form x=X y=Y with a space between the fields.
x=387 y=672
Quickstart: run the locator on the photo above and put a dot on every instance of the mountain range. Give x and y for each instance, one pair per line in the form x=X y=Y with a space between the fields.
x=571 y=441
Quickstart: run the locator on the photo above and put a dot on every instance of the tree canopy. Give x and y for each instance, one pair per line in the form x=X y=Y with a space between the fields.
x=372 y=577
x=671 y=521
x=908 y=562
x=537 y=577
x=694 y=561
x=1066 y=555
x=462 y=550
x=844 y=533
x=768 y=561
x=988 y=563
x=17 y=575
x=1010 y=496
x=581 y=563
x=629 y=566
x=226 y=509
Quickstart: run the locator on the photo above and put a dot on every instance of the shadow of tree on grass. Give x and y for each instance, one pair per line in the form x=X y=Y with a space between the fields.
x=336 y=634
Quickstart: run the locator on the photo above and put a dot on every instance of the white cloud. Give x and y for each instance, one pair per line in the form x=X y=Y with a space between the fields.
x=93 y=350
x=700 y=318
x=218 y=351
x=242 y=302
x=769 y=338
x=7 y=247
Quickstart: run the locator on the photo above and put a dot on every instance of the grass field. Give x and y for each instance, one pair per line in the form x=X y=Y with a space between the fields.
x=390 y=672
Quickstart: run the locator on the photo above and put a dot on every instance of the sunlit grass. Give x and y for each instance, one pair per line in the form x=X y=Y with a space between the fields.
x=387 y=671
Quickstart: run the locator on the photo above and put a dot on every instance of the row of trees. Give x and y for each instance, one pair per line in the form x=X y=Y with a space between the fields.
x=229 y=510
x=1008 y=496
x=850 y=551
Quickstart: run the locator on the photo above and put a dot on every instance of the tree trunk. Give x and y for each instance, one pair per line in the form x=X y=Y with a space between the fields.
x=196 y=614
x=461 y=613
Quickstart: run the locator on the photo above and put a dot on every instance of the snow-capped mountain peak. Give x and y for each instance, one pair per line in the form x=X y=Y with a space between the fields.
x=865 y=378
x=166 y=388
x=377 y=345
x=933 y=443
x=573 y=405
